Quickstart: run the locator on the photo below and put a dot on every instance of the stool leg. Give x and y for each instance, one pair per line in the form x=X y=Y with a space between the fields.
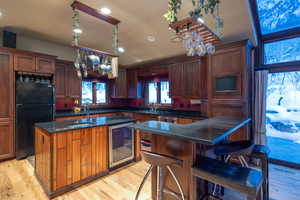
x=143 y=182
x=177 y=182
x=161 y=184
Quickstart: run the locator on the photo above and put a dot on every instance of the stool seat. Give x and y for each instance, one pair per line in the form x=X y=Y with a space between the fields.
x=159 y=160
x=234 y=148
x=241 y=179
x=260 y=151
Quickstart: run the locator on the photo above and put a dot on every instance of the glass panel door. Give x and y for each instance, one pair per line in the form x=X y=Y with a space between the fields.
x=283 y=117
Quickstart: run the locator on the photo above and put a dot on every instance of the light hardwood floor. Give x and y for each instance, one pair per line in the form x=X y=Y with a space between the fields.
x=17 y=182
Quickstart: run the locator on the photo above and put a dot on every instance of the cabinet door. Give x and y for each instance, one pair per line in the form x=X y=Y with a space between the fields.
x=60 y=80
x=6 y=139
x=176 y=80
x=99 y=149
x=73 y=83
x=132 y=81
x=191 y=79
x=119 y=87
x=6 y=106
x=86 y=153
x=45 y=65
x=24 y=63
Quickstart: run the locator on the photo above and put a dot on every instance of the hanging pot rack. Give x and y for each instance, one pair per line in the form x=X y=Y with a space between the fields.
x=95 y=13
x=93 y=60
x=86 y=49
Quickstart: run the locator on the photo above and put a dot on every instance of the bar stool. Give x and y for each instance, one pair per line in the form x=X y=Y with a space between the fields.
x=162 y=162
x=240 y=149
x=244 y=180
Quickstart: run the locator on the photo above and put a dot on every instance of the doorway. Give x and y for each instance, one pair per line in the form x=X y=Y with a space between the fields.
x=283 y=118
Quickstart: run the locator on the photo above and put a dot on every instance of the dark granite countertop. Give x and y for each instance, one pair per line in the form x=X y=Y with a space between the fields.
x=161 y=112
x=209 y=131
x=68 y=125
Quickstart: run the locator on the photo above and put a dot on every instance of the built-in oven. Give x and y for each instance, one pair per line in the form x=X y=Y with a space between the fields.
x=121 y=145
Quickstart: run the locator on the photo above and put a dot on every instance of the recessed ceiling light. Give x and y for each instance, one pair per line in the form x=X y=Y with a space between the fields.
x=105 y=11
x=121 y=49
x=200 y=19
x=77 y=30
x=1 y=14
x=151 y=38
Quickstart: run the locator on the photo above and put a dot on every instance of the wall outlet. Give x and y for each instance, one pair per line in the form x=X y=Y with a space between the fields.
x=195 y=101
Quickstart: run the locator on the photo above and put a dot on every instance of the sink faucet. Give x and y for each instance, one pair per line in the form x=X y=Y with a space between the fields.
x=87 y=110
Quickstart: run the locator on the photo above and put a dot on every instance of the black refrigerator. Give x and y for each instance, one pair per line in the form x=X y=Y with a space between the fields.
x=35 y=102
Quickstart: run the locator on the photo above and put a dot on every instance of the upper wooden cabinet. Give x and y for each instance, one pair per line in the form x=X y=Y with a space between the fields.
x=133 y=85
x=67 y=84
x=24 y=63
x=119 y=85
x=60 y=80
x=45 y=65
x=185 y=79
x=72 y=82
x=228 y=72
x=176 y=80
x=35 y=63
x=6 y=105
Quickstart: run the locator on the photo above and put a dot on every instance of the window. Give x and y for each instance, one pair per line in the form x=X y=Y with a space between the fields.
x=278 y=15
x=283 y=116
x=282 y=51
x=158 y=92
x=91 y=90
x=152 y=92
x=87 y=92
x=100 y=93
x=164 y=93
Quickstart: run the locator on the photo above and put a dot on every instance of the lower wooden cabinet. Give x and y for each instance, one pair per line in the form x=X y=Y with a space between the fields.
x=66 y=159
x=6 y=140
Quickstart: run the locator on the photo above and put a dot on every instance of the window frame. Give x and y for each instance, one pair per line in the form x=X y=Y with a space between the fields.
x=268 y=38
x=94 y=100
x=158 y=93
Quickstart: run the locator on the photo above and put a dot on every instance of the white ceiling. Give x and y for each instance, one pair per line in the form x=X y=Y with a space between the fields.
x=52 y=20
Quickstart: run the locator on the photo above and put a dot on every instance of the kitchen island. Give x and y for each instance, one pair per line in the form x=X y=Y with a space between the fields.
x=187 y=143
x=74 y=152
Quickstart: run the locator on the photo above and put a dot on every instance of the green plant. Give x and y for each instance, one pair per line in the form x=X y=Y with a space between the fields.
x=174 y=6
x=203 y=6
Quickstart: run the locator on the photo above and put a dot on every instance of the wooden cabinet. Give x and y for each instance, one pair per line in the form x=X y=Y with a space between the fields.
x=67 y=84
x=176 y=80
x=192 y=77
x=185 y=79
x=227 y=67
x=29 y=62
x=45 y=65
x=229 y=84
x=72 y=82
x=60 y=80
x=24 y=63
x=68 y=159
x=133 y=85
x=6 y=105
x=119 y=85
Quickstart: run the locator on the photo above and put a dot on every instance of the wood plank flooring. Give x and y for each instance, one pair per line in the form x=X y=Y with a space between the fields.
x=17 y=182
